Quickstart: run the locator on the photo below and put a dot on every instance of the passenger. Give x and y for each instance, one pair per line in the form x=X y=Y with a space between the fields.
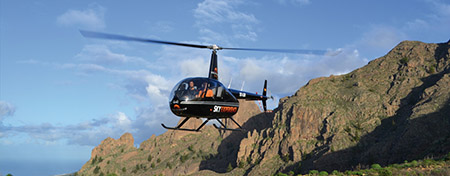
x=205 y=92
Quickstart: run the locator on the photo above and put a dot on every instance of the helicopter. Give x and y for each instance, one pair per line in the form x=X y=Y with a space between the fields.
x=205 y=97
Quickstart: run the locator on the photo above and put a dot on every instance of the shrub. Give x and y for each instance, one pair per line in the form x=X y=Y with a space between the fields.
x=183 y=158
x=249 y=160
x=158 y=160
x=335 y=172
x=257 y=161
x=427 y=162
x=356 y=173
x=323 y=173
x=397 y=166
x=285 y=158
x=384 y=172
x=124 y=169
x=149 y=158
x=432 y=70
x=447 y=158
x=281 y=174
x=375 y=166
x=404 y=60
x=313 y=172
x=152 y=165
x=191 y=148
x=94 y=160
x=241 y=164
x=229 y=168
x=96 y=170
x=290 y=173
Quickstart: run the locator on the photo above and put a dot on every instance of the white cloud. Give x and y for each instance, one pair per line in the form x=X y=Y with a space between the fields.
x=382 y=37
x=146 y=86
x=123 y=122
x=217 y=11
x=286 y=74
x=295 y=2
x=216 y=18
x=6 y=109
x=440 y=7
x=91 y=18
x=435 y=24
x=245 y=32
x=163 y=26
x=89 y=133
x=101 y=54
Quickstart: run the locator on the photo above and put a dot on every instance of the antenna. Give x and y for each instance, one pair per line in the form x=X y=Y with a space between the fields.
x=242 y=87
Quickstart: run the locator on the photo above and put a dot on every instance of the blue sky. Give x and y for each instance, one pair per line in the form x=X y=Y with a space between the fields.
x=61 y=94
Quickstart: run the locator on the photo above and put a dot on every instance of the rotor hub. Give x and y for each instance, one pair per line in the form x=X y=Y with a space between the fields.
x=214 y=47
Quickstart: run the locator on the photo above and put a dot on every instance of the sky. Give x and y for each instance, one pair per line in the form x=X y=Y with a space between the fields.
x=61 y=94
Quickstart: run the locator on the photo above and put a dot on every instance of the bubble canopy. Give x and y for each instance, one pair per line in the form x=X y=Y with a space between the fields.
x=201 y=89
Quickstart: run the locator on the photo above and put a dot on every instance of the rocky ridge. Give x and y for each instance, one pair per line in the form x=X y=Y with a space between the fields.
x=395 y=108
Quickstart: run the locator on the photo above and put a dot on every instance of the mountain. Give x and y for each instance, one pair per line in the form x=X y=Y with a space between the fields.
x=395 y=108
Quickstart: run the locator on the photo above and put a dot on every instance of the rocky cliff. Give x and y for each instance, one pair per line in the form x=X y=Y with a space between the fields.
x=395 y=108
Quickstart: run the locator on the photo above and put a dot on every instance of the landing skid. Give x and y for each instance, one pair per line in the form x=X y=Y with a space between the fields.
x=185 y=129
x=228 y=129
x=222 y=127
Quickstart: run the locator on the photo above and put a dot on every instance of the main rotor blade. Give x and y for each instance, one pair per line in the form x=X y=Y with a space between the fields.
x=91 y=34
x=298 y=51
x=101 y=35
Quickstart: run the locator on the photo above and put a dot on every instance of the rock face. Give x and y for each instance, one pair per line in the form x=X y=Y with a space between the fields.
x=108 y=147
x=395 y=108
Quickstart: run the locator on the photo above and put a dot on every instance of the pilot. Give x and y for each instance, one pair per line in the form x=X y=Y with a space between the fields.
x=192 y=89
x=192 y=86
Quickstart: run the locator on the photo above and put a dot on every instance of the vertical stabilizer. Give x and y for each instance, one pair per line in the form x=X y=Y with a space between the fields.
x=213 y=69
x=265 y=94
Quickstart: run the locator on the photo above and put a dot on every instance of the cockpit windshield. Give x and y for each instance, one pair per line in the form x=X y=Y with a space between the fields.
x=201 y=89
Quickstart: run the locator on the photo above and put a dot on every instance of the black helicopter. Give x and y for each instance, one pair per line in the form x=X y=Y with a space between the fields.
x=205 y=97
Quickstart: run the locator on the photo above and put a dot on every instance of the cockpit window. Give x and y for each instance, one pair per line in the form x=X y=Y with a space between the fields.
x=201 y=89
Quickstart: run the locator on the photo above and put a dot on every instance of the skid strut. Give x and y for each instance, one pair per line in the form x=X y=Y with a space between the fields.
x=224 y=127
